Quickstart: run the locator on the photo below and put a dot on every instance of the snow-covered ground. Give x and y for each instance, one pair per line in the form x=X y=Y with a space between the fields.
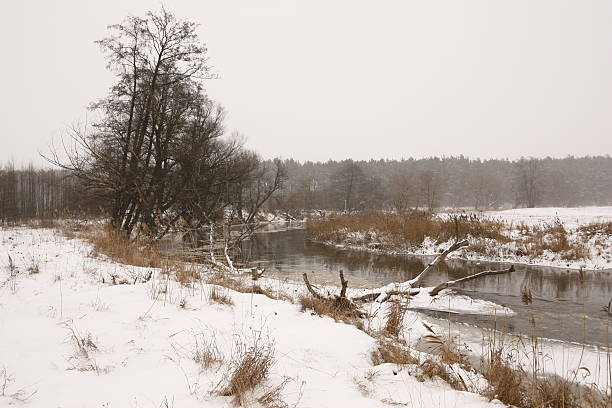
x=140 y=339
x=571 y=217
x=140 y=346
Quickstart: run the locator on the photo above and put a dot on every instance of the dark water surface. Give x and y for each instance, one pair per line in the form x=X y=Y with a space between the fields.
x=566 y=303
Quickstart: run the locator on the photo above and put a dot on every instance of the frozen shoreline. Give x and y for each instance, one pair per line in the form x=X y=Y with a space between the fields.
x=598 y=247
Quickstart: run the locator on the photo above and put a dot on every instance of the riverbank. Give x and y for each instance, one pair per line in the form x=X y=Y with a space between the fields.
x=546 y=237
x=81 y=330
x=76 y=324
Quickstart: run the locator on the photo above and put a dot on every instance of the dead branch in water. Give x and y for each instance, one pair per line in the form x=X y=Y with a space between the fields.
x=448 y=284
x=456 y=246
x=407 y=288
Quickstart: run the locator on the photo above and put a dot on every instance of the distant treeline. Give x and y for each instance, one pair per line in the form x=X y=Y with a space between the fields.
x=446 y=182
x=399 y=185
x=28 y=192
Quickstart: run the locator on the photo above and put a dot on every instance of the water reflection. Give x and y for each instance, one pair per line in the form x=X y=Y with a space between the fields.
x=566 y=303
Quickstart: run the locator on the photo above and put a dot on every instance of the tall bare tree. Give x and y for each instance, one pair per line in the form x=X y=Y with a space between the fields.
x=156 y=155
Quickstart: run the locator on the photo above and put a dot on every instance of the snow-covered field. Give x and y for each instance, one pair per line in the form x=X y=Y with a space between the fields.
x=137 y=342
x=571 y=217
x=144 y=346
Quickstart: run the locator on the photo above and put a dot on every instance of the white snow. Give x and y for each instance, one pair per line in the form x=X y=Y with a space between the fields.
x=571 y=217
x=144 y=340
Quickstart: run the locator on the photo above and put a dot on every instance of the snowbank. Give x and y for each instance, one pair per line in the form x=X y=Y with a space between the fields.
x=140 y=340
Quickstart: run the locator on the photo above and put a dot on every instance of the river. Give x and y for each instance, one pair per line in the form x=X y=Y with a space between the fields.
x=567 y=304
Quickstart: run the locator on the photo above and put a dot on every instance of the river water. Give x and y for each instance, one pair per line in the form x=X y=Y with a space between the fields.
x=567 y=304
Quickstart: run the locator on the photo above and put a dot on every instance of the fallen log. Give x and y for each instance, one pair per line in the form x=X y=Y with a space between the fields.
x=448 y=284
x=407 y=288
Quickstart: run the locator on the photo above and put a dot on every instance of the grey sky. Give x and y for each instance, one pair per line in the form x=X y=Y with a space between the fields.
x=324 y=79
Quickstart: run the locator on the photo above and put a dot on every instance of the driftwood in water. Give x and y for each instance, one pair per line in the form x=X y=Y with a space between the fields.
x=448 y=284
x=410 y=288
x=407 y=288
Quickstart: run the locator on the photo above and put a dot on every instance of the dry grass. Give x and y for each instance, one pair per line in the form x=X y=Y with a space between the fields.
x=394 y=319
x=226 y=281
x=249 y=367
x=388 y=351
x=554 y=238
x=6 y=380
x=505 y=382
x=217 y=295
x=238 y=285
x=34 y=269
x=116 y=245
x=432 y=368
x=272 y=398
x=391 y=231
x=597 y=228
x=513 y=384
x=400 y=231
x=206 y=353
x=82 y=358
x=333 y=308
x=184 y=274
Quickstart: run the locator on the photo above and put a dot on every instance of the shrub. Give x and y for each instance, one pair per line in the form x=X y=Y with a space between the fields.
x=249 y=367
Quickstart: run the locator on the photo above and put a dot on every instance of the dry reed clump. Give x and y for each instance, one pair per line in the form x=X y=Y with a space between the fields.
x=334 y=308
x=391 y=231
x=505 y=382
x=216 y=295
x=116 y=245
x=185 y=275
x=249 y=367
x=554 y=238
x=394 y=319
x=33 y=269
x=432 y=368
x=406 y=230
x=509 y=382
x=388 y=351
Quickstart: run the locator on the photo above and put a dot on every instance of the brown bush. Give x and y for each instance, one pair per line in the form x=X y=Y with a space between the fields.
x=332 y=308
x=249 y=367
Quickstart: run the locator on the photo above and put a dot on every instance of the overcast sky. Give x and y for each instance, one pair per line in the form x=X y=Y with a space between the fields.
x=324 y=79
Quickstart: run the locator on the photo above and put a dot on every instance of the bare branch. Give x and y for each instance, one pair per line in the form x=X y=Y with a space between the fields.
x=448 y=284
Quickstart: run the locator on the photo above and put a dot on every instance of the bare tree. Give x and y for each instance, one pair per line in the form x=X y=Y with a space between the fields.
x=156 y=156
x=528 y=178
